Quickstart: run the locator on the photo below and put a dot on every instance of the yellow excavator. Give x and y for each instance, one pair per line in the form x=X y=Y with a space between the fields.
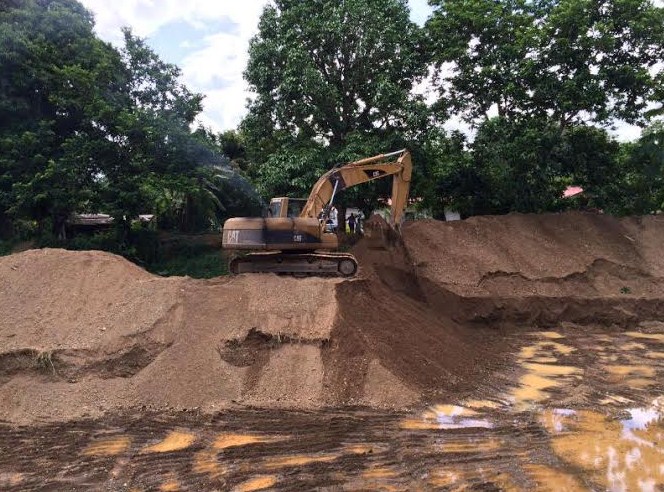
x=295 y=237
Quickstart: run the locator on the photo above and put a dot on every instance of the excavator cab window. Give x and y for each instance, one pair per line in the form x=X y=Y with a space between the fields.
x=295 y=207
x=275 y=209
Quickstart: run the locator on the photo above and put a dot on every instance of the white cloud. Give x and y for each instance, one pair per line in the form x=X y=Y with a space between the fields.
x=213 y=65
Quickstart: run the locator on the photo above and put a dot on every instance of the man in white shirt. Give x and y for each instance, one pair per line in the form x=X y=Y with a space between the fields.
x=334 y=217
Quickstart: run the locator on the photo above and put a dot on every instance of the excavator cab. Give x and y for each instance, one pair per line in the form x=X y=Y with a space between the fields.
x=286 y=207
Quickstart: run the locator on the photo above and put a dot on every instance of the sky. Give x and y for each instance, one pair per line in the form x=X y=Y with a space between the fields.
x=208 y=40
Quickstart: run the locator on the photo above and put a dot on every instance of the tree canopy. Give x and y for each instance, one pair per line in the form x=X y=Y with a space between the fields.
x=88 y=127
x=573 y=60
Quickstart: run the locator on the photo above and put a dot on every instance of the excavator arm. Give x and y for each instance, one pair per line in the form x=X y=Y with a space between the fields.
x=397 y=164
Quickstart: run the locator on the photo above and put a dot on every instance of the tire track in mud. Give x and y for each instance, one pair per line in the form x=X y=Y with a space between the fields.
x=301 y=451
x=539 y=430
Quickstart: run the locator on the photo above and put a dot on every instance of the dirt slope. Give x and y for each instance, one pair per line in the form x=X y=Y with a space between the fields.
x=549 y=254
x=88 y=332
x=83 y=333
x=542 y=269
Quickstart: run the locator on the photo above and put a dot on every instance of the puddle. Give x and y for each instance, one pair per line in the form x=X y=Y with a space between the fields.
x=174 y=441
x=549 y=479
x=618 y=454
x=632 y=346
x=110 y=446
x=171 y=485
x=257 y=483
x=531 y=389
x=359 y=449
x=471 y=446
x=609 y=399
x=544 y=349
x=550 y=334
x=298 y=460
x=447 y=417
x=659 y=337
x=482 y=404
x=646 y=371
x=554 y=420
x=560 y=416
x=207 y=462
x=551 y=369
x=224 y=441
x=479 y=478
x=379 y=472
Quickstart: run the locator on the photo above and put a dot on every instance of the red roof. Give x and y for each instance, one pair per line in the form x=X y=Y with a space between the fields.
x=571 y=191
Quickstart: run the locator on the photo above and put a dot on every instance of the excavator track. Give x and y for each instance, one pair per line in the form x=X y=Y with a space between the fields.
x=297 y=264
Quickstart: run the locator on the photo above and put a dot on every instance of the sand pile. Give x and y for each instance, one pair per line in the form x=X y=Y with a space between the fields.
x=84 y=333
x=546 y=268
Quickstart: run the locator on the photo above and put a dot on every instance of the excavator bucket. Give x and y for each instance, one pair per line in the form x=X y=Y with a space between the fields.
x=379 y=234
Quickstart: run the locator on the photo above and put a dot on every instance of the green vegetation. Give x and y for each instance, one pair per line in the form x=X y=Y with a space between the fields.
x=89 y=128
x=196 y=263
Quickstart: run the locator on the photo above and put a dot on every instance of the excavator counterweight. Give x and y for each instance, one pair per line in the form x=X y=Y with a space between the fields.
x=294 y=239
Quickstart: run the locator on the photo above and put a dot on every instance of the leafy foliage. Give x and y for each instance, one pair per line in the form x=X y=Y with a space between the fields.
x=89 y=128
x=330 y=89
x=573 y=60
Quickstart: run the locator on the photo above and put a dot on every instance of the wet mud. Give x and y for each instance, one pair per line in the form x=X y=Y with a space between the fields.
x=570 y=410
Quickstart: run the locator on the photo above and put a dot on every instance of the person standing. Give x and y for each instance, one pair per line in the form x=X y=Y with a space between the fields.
x=351 y=223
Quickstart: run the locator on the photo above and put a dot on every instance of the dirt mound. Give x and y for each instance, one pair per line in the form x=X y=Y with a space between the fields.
x=552 y=253
x=88 y=332
x=85 y=333
x=545 y=269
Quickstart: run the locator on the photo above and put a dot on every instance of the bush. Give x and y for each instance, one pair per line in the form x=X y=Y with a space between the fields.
x=195 y=262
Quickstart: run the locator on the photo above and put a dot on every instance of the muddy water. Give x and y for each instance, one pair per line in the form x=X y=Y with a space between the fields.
x=573 y=411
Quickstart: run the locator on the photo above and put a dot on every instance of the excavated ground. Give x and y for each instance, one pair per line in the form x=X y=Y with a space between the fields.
x=85 y=334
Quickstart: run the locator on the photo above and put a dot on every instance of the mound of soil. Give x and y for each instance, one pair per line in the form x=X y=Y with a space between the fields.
x=547 y=254
x=542 y=269
x=84 y=333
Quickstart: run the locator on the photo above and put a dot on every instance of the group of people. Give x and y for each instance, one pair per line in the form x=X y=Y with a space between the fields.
x=332 y=222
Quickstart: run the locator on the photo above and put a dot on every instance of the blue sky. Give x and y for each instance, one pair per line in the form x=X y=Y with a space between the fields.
x=208 y=40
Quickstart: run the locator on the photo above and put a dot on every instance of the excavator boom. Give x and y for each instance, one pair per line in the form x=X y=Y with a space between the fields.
x=397 y=164
x=294 y=233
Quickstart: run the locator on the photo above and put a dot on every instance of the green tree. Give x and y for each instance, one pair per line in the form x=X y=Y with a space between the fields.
x=641 y=189
x=573 y=60
x=332 y=79
x=151 y=136
x=57 y=86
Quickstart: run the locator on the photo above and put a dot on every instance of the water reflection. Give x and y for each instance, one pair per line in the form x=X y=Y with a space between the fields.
x=574 y=414
x=447 y=417
x=174 y=441
x=621 y=454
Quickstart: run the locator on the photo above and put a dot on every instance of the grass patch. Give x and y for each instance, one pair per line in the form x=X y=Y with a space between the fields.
x=196 y=264
x=44 y=361
x=6 y=247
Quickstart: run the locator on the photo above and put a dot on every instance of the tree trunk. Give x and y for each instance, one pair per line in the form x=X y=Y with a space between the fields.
x=59 y=230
